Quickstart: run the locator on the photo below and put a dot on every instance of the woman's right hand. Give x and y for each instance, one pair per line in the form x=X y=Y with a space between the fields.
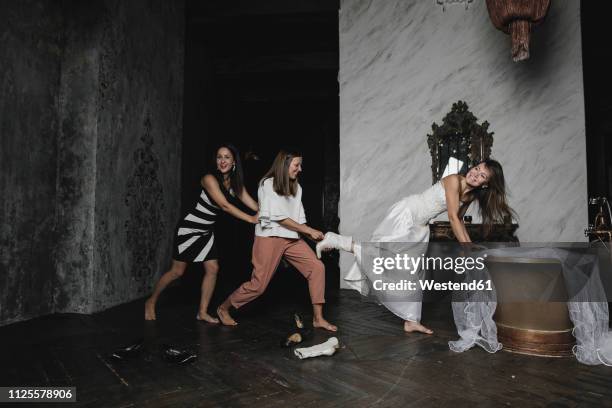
x=255 y=219
x=468 y=248
x=314 y=234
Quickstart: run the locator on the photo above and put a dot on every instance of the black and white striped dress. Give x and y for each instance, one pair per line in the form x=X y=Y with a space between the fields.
x=195 y=238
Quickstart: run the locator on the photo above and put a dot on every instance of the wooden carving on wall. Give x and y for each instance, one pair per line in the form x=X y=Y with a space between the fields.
x=460 y=136
x=517 y=17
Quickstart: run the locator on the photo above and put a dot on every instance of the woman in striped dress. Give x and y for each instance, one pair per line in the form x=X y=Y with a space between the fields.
x=195 y=239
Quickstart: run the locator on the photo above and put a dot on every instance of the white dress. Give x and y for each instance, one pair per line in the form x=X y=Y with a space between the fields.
x=406 y=222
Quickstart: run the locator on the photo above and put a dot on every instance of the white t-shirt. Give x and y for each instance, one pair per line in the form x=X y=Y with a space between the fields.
x=274 y=208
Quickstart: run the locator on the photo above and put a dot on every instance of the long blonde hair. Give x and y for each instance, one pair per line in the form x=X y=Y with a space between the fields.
x=279 y=172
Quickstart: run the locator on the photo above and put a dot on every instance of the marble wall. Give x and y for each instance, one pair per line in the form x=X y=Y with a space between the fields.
x=402 y=65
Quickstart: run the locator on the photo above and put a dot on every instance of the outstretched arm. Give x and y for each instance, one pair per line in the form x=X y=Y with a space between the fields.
x=210 y=183
x=246 y=198
x=452 y=189
x=304 y=229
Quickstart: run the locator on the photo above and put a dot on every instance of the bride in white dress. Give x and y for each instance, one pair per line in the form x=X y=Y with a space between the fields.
x=407 y=222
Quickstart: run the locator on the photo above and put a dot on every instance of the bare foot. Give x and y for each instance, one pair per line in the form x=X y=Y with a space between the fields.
x=207 y=318
x=149 y=310
x=411 y=327
x=324 y=324
x=225 y=317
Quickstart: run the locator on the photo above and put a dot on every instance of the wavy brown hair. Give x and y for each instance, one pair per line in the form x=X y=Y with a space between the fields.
x=279 y=172
x=492 y=200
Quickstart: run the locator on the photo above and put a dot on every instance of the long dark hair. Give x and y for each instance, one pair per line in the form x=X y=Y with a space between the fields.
x=236 y=175
x=492 y=200
x=279 y=171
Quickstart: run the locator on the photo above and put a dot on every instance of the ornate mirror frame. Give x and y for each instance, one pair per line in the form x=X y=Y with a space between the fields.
x=459 y=136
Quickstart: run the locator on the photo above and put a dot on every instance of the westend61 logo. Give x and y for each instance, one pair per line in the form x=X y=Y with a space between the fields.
x=414 y=264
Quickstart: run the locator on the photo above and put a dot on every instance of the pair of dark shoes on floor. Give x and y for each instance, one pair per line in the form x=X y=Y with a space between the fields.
x=169 y=353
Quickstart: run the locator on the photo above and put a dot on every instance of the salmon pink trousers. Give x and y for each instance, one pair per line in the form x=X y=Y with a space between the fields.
x=267 y=253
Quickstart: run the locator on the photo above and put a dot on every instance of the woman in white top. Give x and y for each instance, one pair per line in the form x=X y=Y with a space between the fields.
x=281 y=221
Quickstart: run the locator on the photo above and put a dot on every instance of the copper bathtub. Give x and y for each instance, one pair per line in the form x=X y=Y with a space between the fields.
x=531 y=316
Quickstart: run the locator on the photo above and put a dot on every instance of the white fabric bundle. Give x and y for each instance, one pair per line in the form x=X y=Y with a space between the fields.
x=324 y=349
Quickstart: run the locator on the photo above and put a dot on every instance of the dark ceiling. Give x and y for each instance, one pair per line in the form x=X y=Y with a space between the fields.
x=262 y=46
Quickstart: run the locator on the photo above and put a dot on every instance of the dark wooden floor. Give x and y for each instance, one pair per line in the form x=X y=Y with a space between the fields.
x=378 y=365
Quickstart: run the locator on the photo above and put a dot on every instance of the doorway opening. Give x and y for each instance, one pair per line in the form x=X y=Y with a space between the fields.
x=263 y=76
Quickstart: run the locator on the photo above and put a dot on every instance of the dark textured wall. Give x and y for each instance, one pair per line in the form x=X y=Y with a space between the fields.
x=76 y=161
x=91 y=123
x=29 y=72
x=138 y=147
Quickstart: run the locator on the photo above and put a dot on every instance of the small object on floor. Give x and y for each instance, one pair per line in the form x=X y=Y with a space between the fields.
x=127 y=352
x=299 y=322
x=291 y=340
x=327 y=348
x=178 y=356
x=296 y=334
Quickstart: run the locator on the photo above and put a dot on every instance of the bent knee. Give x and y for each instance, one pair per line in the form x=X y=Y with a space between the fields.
x=257 y=289
x=177 y=271
x=318 y=268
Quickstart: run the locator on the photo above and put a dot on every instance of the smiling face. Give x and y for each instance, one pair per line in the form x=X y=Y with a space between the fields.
x=225 y=160
x=295 y=167
x=478 y=176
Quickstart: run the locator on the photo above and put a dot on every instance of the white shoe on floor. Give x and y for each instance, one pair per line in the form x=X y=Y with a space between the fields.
x=324 y=349
x=334 y=241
